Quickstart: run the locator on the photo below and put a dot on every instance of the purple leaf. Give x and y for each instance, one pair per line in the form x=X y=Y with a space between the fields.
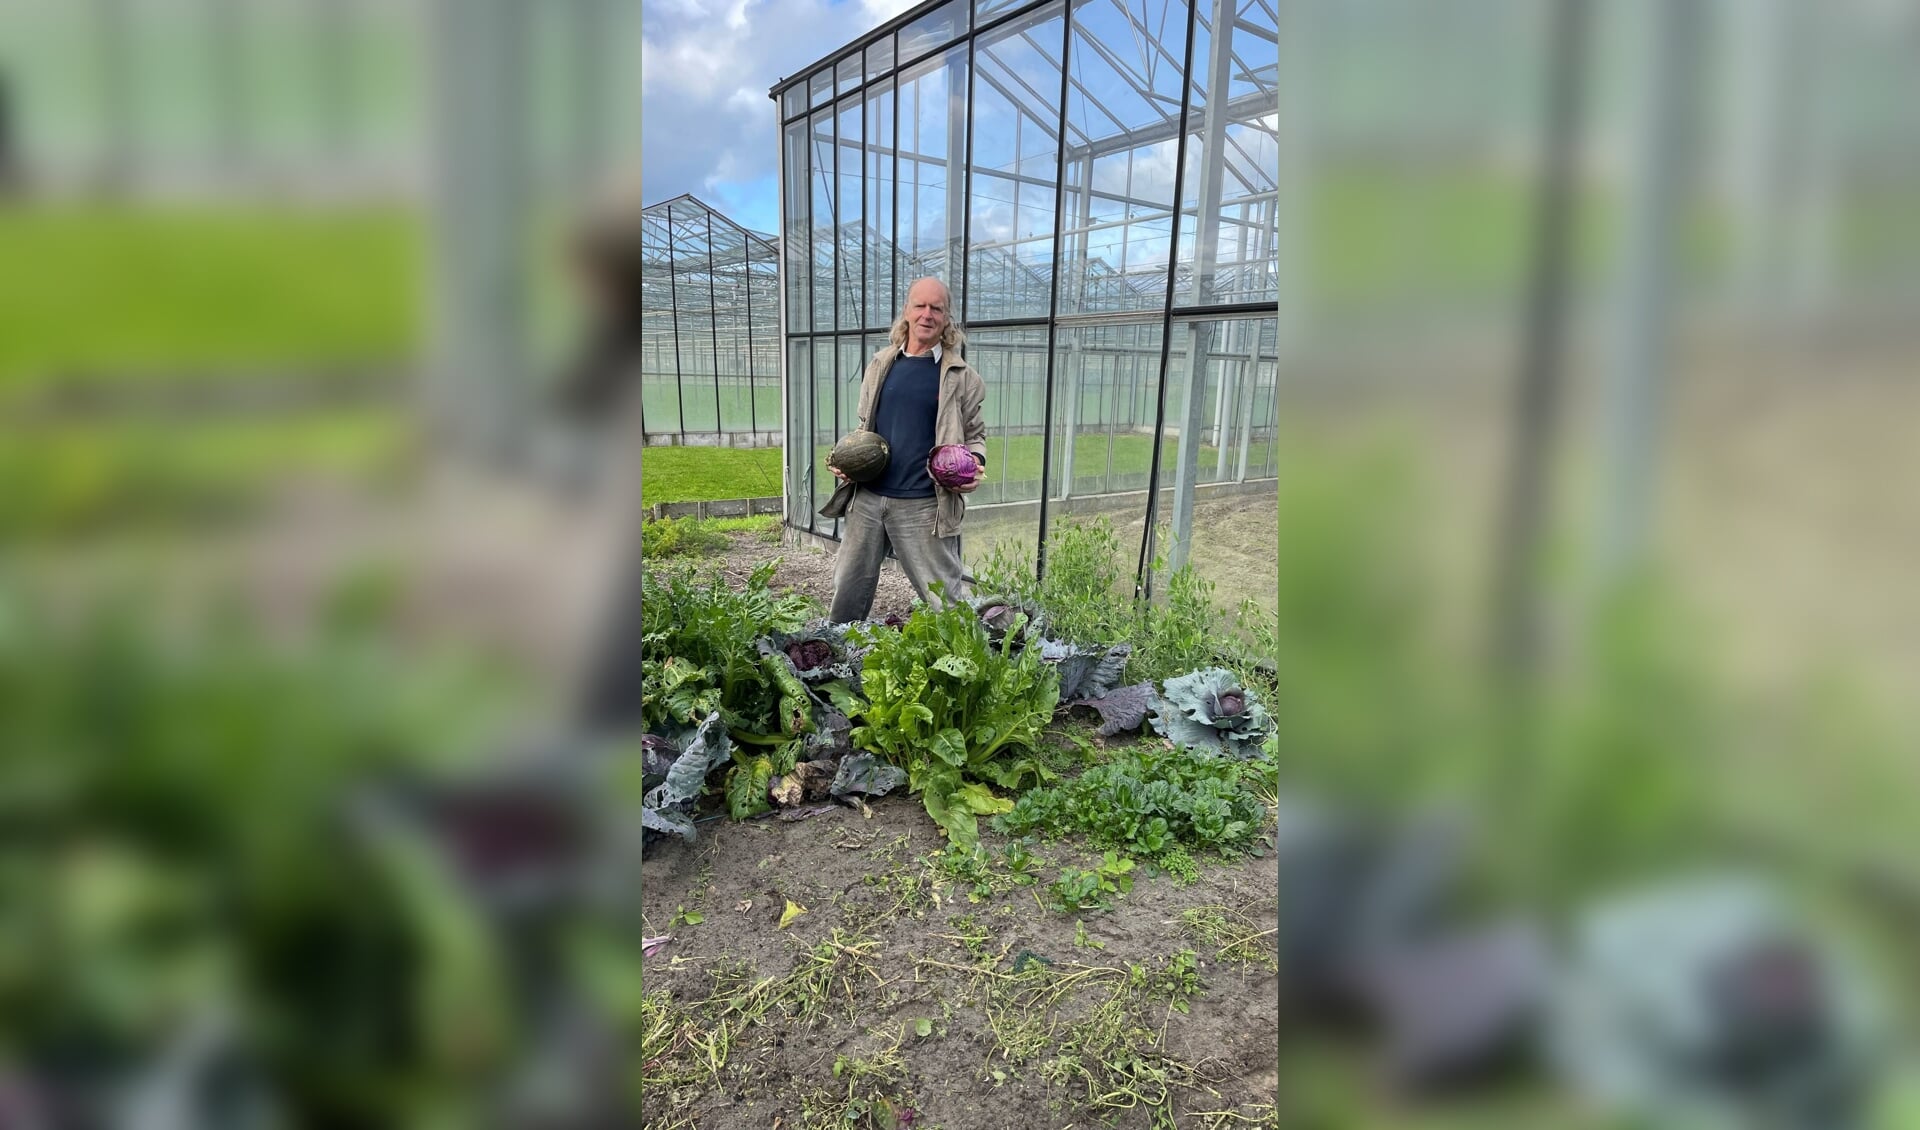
x=1120 y=711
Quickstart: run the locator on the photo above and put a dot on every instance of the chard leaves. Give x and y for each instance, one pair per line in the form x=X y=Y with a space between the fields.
x=947 y=704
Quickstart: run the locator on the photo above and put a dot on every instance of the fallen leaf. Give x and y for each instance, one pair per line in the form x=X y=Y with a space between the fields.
x=743 y=905
x=793 y=911
x=923 y=1026
x=651 y=946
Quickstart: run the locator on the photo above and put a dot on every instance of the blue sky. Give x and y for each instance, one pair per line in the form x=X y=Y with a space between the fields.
x=707 y=125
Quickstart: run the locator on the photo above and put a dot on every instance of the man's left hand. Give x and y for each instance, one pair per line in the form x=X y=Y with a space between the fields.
x=977 y=479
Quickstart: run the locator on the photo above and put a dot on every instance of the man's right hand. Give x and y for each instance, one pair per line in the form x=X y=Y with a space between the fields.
x=837 y=474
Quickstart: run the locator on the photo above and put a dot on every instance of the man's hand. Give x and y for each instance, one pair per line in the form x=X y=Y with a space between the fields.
x=978 y=478
x=837 y=474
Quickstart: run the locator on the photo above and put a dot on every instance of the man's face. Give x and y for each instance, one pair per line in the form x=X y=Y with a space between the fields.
x=927 y=312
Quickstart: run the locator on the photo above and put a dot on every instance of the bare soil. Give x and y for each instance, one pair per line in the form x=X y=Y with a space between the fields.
x=809 y=569
x=911 y=949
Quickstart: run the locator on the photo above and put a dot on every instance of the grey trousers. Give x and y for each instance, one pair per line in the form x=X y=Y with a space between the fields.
x=873 y=524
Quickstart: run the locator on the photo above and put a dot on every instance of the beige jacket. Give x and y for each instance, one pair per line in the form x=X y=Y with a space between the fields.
x=957 y=418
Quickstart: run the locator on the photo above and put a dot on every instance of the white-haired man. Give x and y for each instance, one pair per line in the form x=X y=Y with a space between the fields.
x=918 y=393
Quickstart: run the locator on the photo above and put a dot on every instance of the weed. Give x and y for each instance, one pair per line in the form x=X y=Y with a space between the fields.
x=1021 y=864
x=970 y=868
x=1178 y=865
x=1087 y=592
x=679 y=537
x=1233 y=935
x=1094 y=888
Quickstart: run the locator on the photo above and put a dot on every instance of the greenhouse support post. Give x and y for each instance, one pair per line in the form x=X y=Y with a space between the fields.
x=1637 y=370
x=1206 y=238
x=477 y=276
x=1534 y=424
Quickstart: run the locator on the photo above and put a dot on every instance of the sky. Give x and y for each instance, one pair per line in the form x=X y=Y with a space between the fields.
x=707 y=125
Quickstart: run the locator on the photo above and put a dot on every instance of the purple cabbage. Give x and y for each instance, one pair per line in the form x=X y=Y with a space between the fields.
x=808 y=655
x=952 y=466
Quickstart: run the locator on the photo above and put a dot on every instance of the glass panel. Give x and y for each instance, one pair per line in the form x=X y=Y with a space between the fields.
x=763 y=334
x=1105 y=398
x=880 y=305
x=986 y=9
x=932 y=166
x=1231 y=253
x=1233 y=528
x=793 y=100
x=732 y=313
x=799 y=420
x=880 y=57
x=1016 y=121
x=1123 y=115
x=820 y=87
x=847 y=74
x=942 y=25
x=1105 y=388
x=825 y=427
x=659 y=356
x=851 y=369
x=693 y=319
x=852 y=240
x=1013 y=363
x=822 y=177
x=796 y=169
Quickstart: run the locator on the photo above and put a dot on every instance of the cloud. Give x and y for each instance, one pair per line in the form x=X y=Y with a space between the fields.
x=880 y=11
x=706 y=66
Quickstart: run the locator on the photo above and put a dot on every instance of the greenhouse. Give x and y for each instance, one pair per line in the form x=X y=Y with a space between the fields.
x=710 y=356
x=1111 y=176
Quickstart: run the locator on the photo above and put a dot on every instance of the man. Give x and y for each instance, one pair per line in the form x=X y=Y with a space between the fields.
x=918 y=393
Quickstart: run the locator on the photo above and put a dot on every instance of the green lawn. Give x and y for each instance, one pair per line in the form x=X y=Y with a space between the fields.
x=698 y=474
x=119 y=292
x=73 y=479
x=691 y=474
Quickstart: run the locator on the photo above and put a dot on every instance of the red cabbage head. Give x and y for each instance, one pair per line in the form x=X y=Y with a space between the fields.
x=952 y=466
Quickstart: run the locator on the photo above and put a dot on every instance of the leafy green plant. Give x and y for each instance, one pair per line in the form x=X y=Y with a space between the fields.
x=1151 y=804
x=679 y=537
x=1211 y=711
x=177 y=790
x=1093 y=888
x=665 y=807
x=953 y=710
x=1021 y=864
x=699 y=654
x=970 y=868
x=1088 y=597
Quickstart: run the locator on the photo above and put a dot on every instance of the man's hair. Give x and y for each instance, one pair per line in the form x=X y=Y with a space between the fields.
x=953 y=339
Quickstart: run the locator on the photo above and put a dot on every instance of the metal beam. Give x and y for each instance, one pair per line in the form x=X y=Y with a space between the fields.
x=1205 y=252
x=1637 y=368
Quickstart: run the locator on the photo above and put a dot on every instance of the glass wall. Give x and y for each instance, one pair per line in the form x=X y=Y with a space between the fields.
x=710 y=362
x=1097 y=183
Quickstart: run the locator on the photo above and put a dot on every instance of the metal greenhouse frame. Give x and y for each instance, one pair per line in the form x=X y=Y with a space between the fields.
x=1112 y=174
x=710 y=353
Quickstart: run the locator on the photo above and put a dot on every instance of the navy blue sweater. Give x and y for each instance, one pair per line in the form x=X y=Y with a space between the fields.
x=904 y=416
